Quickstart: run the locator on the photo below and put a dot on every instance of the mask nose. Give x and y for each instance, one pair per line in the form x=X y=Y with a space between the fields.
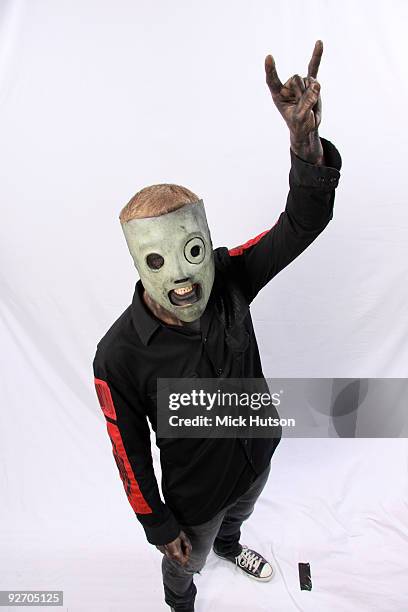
x=181 y=280
x=179 y=272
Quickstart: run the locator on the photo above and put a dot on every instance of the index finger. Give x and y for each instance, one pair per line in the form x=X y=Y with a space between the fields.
x=314 y=63
x=272 y=78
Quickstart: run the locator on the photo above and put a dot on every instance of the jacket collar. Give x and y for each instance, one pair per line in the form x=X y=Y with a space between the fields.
x=145 y=322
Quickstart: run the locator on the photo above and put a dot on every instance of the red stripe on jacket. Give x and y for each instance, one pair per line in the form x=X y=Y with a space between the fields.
x=105 y=398
x=132 y=489
x=239 y=250
x=133 y=492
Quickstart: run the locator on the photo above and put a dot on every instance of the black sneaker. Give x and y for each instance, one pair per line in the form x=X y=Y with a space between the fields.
x=252 y=563
x=174 y=610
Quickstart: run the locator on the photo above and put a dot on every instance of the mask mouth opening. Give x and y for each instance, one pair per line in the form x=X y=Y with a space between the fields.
x=185 y=296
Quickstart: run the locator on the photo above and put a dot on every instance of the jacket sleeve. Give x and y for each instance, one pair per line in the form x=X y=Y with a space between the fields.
x=129 y=434
x=309 y=208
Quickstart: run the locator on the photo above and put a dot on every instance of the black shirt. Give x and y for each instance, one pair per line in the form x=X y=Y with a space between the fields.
x=201 y=476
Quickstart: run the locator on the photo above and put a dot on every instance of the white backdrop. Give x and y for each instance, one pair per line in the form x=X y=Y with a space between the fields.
x=97 y=100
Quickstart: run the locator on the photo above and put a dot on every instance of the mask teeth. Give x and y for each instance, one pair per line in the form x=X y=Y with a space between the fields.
x=183 y=290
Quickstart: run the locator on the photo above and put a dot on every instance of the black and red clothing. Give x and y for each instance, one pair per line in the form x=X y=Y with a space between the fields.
x=200 y=477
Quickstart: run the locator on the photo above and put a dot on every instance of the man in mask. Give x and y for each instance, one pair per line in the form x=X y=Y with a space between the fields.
x=190 y=318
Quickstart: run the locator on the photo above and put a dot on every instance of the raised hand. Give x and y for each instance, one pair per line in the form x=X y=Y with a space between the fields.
x=299 y=103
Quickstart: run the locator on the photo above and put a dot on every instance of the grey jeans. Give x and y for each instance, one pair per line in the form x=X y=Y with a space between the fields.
x=222 y=532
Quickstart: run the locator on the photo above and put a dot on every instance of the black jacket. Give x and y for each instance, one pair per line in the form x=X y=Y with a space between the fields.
x=201 y=476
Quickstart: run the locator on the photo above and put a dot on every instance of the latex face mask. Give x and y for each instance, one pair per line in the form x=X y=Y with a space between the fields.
x=174 y=257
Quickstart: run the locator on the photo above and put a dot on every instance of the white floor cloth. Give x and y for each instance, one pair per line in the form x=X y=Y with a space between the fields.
x=332 y=503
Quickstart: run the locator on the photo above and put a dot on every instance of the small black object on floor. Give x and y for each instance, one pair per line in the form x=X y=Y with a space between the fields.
x=305 y=578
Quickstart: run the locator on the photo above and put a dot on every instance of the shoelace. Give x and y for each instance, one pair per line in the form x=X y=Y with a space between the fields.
x=249 y=559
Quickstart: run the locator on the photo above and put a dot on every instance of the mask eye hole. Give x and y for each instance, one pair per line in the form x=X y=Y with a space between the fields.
x=154 y=261
x=194 y=251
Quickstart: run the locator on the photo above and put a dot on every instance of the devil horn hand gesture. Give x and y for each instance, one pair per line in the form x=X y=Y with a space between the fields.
x=299 y=103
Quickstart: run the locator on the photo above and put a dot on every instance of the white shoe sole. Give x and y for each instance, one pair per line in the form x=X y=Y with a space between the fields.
x=266 y=579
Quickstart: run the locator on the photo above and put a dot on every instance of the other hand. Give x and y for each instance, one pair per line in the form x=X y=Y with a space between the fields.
x=178 y=550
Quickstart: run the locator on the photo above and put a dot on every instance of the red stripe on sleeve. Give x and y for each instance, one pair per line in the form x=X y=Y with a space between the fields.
x=105 y=398
x=133 y=492
x=243 y=247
